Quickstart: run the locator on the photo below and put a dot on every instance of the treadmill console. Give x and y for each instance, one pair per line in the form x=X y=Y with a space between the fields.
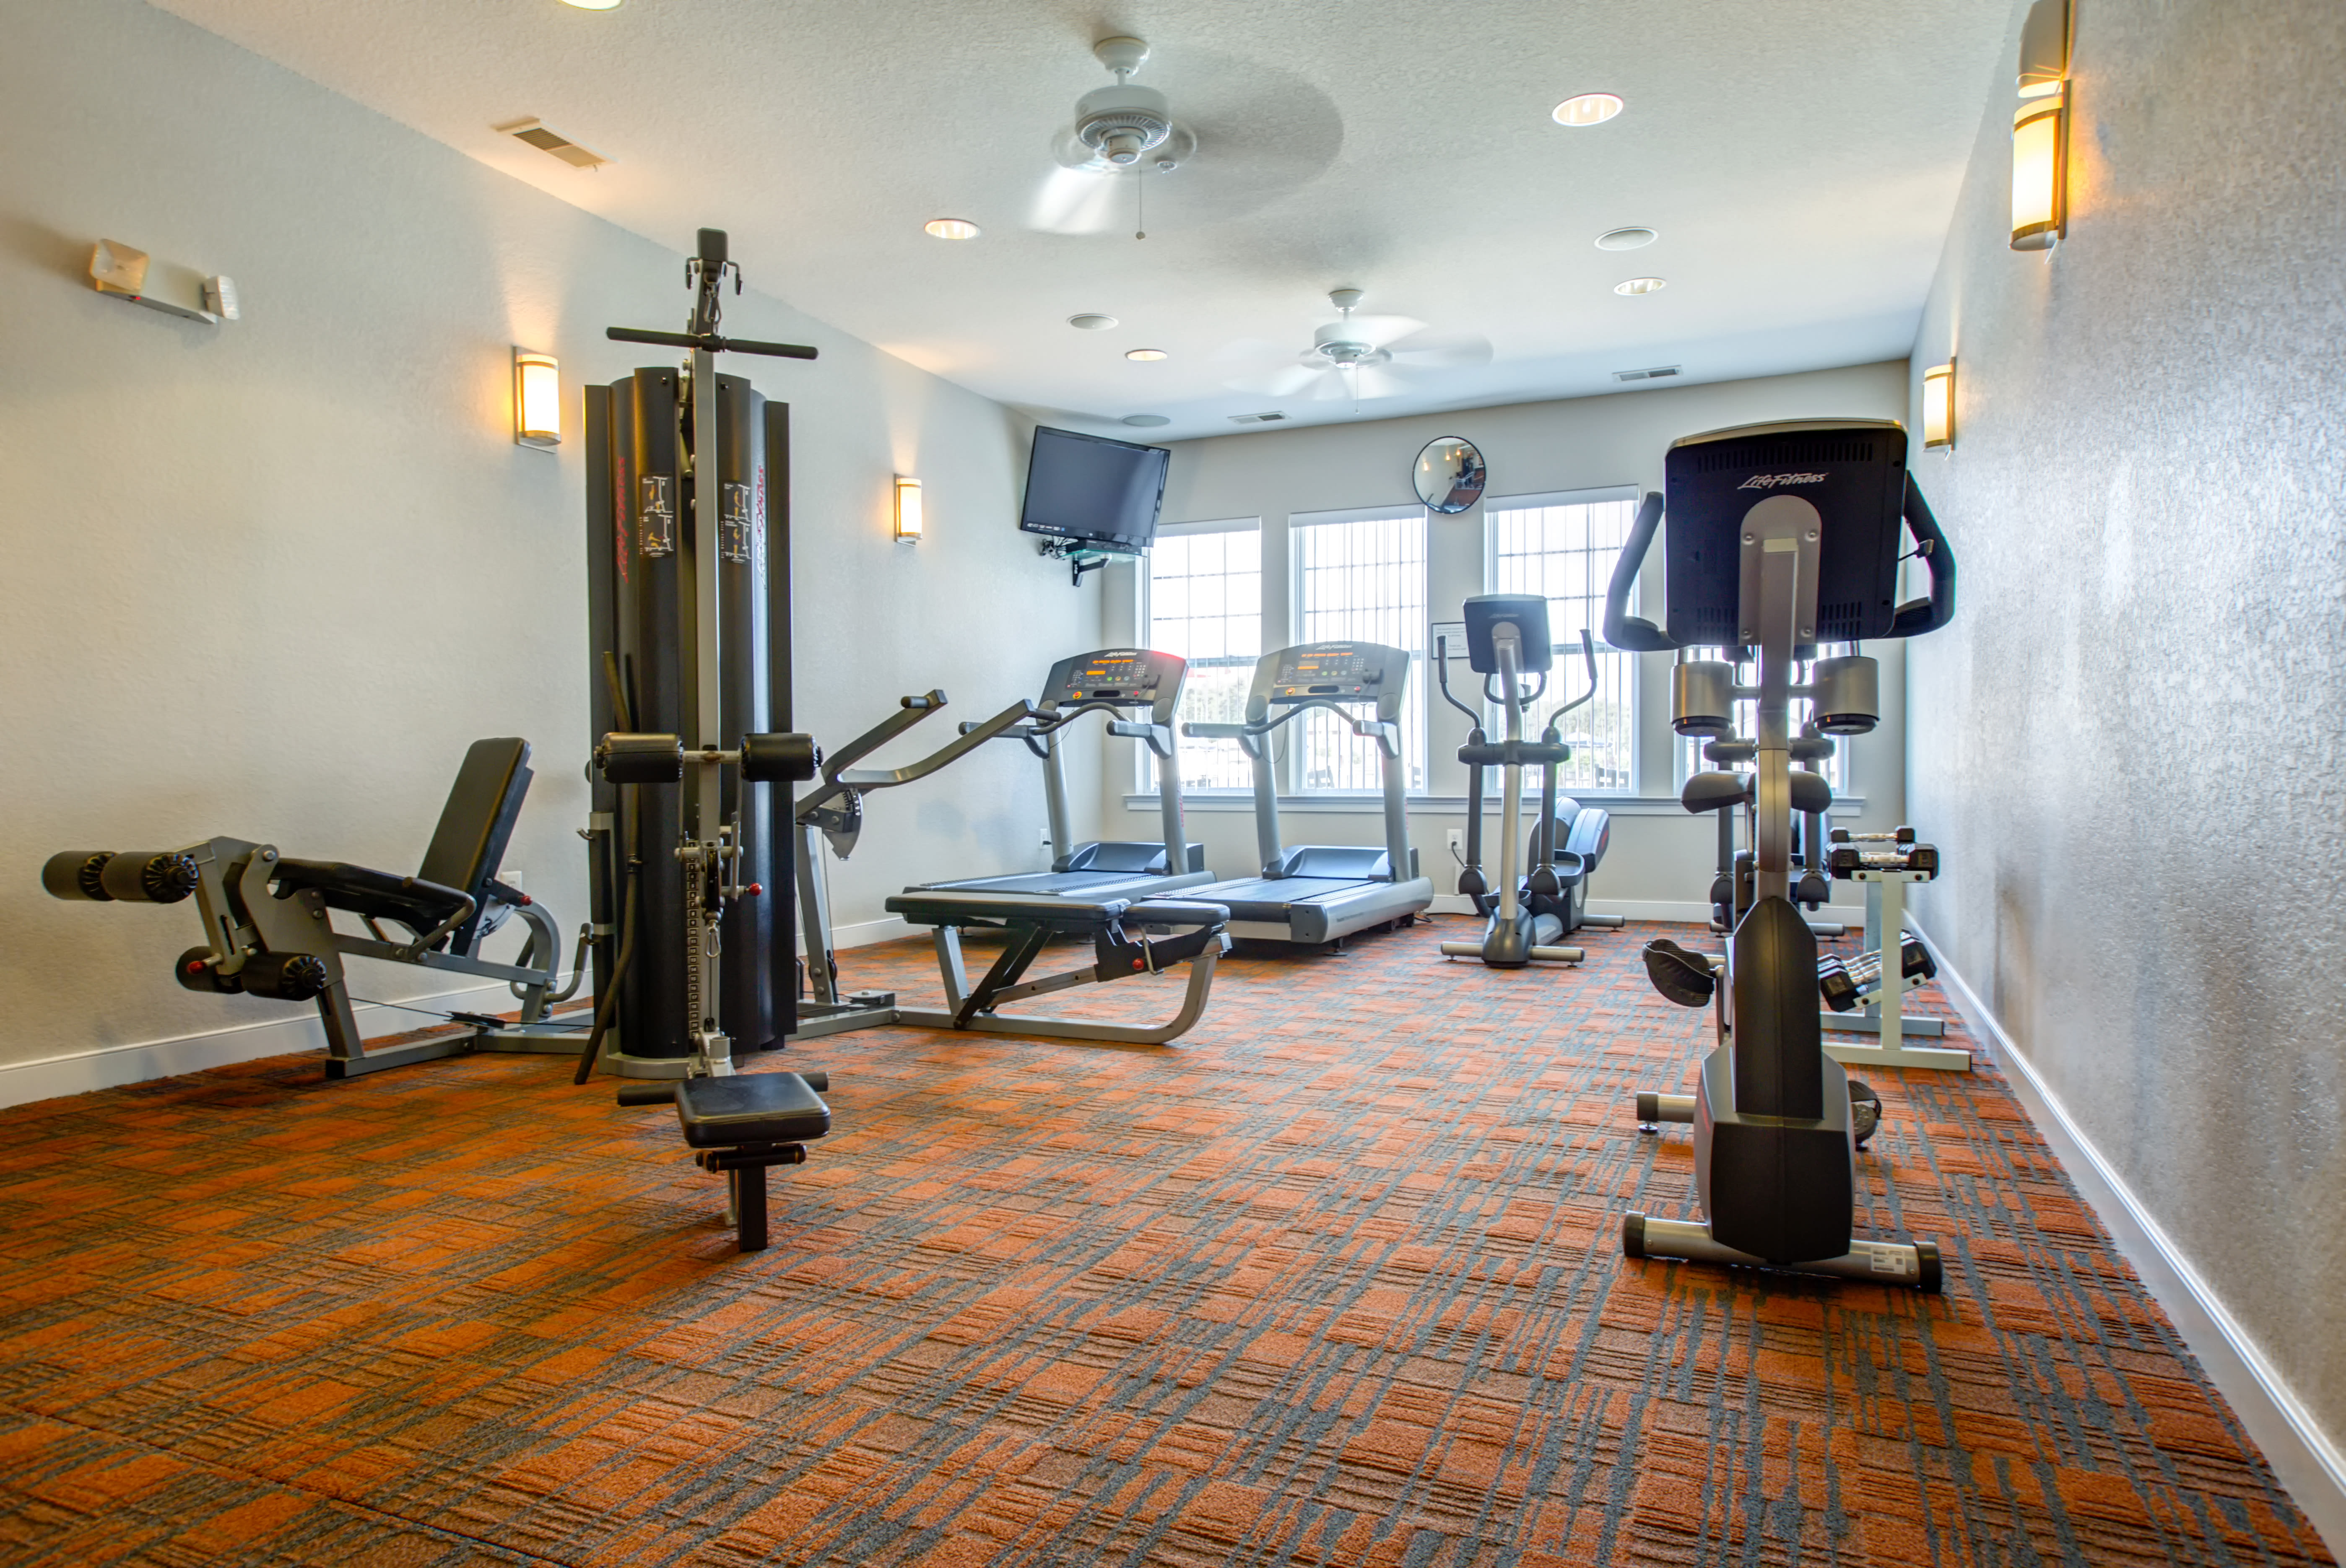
x=1344 y=673
x=1124 y=677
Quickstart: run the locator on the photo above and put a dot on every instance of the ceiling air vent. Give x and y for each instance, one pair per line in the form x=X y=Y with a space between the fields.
x=1271 y=418
x=1654 y=374
x=534 y=132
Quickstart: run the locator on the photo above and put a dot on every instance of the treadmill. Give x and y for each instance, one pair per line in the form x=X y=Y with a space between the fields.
x=1114 y=682
x=1323 y=893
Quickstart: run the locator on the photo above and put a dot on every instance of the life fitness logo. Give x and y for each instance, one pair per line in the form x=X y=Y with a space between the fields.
x=1770 y=481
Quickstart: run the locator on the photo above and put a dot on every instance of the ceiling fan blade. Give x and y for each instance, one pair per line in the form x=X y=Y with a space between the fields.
x=1072 y=201
x=1439 y=351
x=1333 y=385
x=1379 y=330
x=1284 y=383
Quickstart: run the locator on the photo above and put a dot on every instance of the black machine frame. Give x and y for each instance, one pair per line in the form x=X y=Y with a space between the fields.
x=1783 y=537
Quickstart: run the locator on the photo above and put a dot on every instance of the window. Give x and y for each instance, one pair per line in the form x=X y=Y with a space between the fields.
x=1203 y=600
x=1746 y=725
x=1361 y=576
x=1563 y=549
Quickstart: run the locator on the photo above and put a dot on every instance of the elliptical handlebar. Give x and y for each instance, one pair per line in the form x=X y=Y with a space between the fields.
x=1442 y=678
x=1913 y=619
x=1622 y=629
x=1589 y=657
x=1919 y=615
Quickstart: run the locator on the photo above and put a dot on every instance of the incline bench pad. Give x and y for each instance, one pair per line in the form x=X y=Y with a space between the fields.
x=362 y=891
x=752 y=1108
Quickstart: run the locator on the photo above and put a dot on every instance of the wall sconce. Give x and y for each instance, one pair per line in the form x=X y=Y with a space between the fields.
x=537 y=400
x=2040 y=130
x=1939 y=405
x=908 y=510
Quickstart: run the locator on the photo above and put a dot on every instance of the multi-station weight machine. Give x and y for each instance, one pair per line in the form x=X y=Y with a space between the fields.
x=689 y=599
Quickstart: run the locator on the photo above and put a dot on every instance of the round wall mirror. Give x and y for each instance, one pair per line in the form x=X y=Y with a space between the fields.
x=1450 y=474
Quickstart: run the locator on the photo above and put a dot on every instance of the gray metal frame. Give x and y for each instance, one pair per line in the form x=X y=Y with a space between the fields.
x=233 y=881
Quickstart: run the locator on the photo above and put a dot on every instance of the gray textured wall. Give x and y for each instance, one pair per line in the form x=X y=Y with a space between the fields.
x=2128 y=740
x=270 y=578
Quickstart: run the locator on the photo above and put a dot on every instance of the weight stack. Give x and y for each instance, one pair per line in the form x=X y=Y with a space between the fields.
x=642 y=550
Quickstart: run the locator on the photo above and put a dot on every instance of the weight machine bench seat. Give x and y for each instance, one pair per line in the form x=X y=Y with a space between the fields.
x=751 y=1108
x=415 y=904
x=1066 y=917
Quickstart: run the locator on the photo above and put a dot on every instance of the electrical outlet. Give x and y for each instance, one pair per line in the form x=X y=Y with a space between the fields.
x=1046 y=838
x=511 y=876
x=1458 y=845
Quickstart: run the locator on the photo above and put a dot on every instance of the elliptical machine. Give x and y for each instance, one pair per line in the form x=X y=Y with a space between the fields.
x=1506 y=642
x=1782 y=537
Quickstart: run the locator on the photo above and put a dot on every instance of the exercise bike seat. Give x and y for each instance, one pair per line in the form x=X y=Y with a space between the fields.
x=749 y=1108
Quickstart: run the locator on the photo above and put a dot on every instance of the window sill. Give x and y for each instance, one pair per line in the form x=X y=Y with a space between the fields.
x=1240 y=801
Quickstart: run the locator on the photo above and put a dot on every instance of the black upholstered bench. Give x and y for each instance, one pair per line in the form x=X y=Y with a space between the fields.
x=740 y=1123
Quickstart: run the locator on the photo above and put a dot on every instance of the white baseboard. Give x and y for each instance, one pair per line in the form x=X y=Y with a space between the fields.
x=111 y=1067
x=863 y=934
x=2305 y=1459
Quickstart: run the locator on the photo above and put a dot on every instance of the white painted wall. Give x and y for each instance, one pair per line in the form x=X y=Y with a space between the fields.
x=1659 y=855
x=2130 y=732
x=272 y=578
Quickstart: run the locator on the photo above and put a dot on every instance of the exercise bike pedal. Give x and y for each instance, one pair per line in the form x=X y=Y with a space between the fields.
x=1684 y=977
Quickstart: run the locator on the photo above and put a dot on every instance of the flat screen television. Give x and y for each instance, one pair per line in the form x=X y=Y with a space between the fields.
x=1089 y=490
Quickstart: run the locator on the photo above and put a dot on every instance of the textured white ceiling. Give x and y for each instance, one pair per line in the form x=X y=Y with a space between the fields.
x=1798 y=157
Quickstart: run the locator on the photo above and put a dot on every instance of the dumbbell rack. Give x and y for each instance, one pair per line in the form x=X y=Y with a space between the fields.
x=1886 y=869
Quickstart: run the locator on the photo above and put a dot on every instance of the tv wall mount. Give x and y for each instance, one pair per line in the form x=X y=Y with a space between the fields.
x=1081 y=558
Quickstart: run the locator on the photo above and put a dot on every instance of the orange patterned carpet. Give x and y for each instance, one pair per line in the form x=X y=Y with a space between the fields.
x=1335 y=1279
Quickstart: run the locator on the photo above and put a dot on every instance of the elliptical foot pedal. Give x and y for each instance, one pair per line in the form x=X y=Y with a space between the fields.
x=1865 y=1112
x=1683 y=977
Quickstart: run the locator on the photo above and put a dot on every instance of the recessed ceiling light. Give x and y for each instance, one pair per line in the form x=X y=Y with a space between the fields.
x=1625 y=238
x=1641 y=285
x=1587 y=109
x=950 y=228
x=594 y=4
x=1147 y=421
x=1091 y=321
x=1144 y=355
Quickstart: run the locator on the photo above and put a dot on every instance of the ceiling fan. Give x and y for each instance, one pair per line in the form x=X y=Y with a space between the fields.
x=1121 y=136
x=1352 y=356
